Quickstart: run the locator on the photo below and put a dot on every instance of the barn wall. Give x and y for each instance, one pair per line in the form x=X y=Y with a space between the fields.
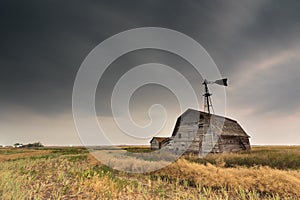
x=233 y=144
x=154 y=144
x=224 y=145
x=182 y=138
x=197 y=143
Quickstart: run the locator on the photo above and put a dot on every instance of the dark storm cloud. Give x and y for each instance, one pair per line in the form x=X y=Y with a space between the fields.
x=43 y=45
x=270 y=41
x=250 y=33
x=128 y=61
x=44 y=42
x=274 y=27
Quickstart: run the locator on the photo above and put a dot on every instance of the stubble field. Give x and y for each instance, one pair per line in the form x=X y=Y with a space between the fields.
x=72 y=173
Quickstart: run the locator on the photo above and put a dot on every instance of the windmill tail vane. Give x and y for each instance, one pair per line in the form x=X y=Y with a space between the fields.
x=222 y=82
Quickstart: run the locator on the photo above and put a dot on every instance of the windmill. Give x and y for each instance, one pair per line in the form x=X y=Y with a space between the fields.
x=209 y=138
x=207 y=100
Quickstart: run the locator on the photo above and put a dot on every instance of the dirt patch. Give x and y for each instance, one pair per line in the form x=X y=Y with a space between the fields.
x=26 y=153
x=92 y=160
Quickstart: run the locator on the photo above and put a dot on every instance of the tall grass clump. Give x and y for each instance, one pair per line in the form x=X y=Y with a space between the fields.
x=265 y=180
x=279 y=158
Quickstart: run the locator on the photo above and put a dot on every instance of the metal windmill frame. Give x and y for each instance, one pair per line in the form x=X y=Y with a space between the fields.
x=204 y=148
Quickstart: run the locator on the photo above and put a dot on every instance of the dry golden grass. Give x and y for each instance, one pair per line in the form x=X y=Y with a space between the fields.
x=132 y=162
x=283 y=157
x=74 y=174
x=262 y=179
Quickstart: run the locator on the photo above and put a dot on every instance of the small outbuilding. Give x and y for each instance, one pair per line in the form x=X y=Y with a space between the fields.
x=158 y=142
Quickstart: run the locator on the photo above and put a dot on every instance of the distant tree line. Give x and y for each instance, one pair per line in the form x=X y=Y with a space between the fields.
x=30 y=145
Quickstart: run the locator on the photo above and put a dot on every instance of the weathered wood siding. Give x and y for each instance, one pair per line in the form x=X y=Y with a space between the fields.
x=199 y=133
x=234 y=144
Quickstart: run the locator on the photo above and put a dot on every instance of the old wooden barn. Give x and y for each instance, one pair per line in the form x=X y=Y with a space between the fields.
x=199 y=132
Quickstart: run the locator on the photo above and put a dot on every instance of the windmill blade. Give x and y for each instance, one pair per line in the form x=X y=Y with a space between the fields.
x=222 y=82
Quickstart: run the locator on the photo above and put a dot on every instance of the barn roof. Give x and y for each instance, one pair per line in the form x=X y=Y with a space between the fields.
x=230 y=126
x=160 y=139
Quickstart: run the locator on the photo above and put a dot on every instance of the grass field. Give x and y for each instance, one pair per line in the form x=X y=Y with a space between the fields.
x=72 y=173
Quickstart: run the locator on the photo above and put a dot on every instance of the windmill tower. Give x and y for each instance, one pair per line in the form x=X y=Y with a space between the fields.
x=207 y=100
x=210 y=139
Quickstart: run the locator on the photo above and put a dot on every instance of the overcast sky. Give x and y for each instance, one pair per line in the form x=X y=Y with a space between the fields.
x=254 y=43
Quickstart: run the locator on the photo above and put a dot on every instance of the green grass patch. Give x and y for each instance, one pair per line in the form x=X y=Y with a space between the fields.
x=69 y=150
x=137 y=149
x=11 y=151
x=76 y=158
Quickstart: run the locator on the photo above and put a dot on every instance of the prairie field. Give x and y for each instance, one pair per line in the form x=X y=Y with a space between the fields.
x=265 y=172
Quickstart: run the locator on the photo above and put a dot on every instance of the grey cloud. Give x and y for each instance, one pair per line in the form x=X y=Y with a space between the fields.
x=44 y=43
x=133 y=59
x=271 y=92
